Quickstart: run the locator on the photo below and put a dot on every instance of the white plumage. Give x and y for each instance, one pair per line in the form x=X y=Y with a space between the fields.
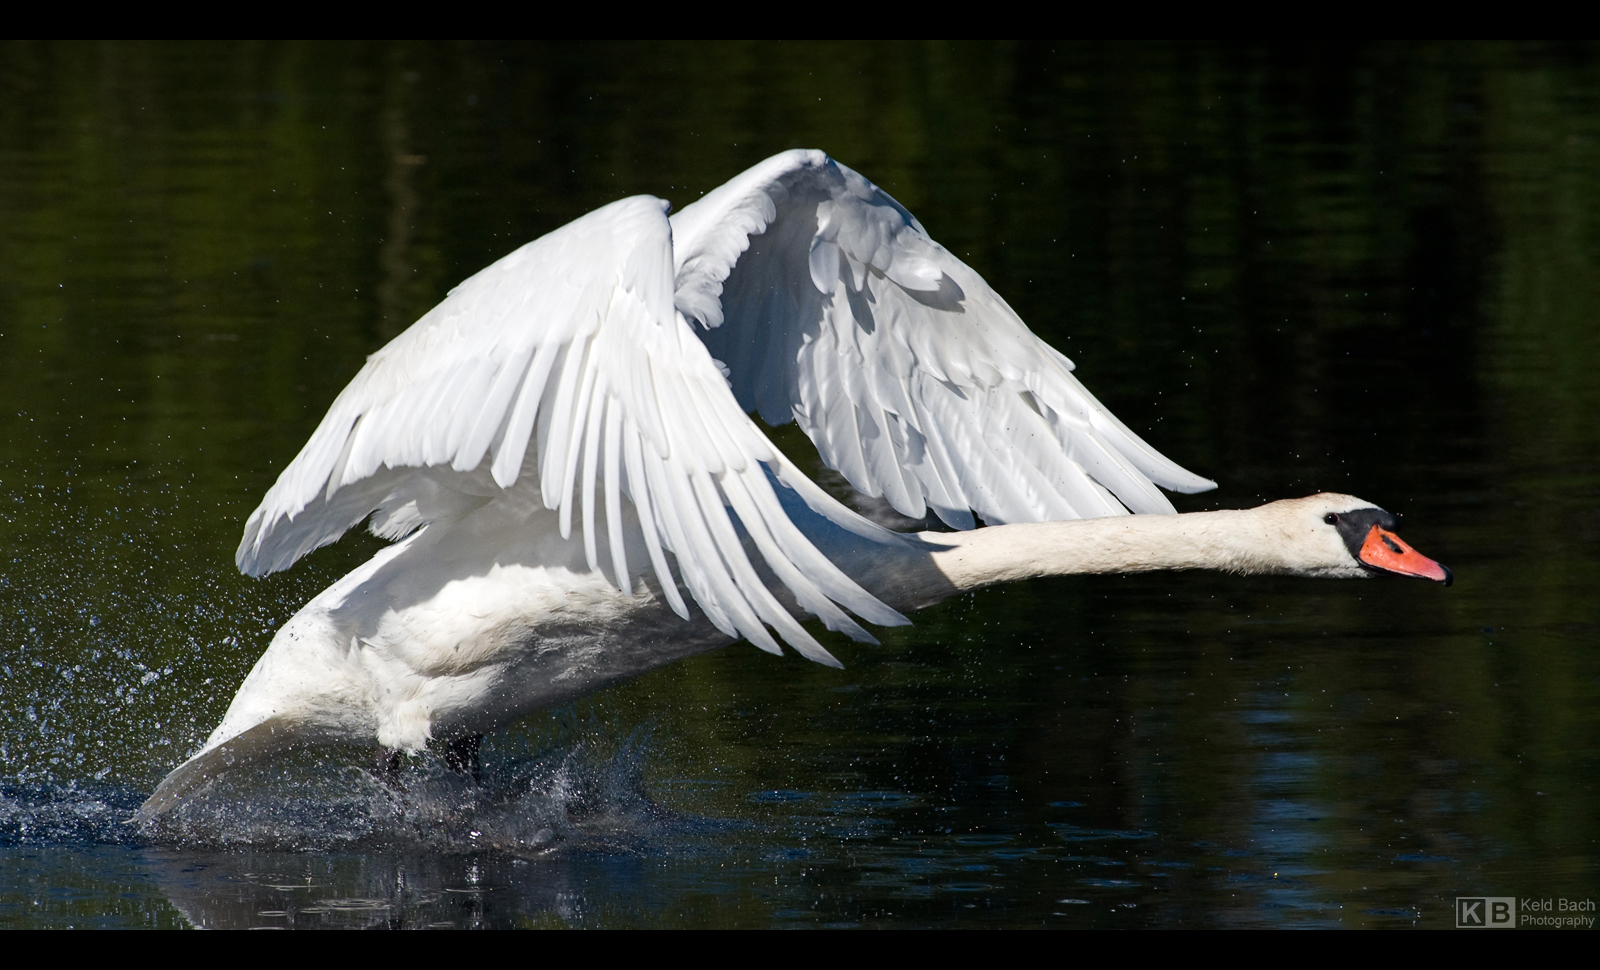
x=565 y=441
x=827 y=303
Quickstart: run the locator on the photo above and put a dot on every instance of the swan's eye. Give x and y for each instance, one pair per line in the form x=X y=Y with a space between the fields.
x=1331 y=518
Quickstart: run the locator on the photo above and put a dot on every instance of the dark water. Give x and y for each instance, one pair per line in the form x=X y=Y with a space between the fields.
x=1363 y=269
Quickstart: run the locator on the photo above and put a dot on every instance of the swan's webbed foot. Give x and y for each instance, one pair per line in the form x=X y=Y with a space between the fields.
x=461 y=755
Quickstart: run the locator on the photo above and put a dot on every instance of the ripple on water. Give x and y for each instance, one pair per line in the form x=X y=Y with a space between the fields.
x=779 y=797
x=870 y=800
x=983 y=839
x=1078 y=833
x=349 y=905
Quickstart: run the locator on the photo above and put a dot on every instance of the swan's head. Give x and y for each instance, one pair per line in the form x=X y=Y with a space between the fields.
x=1341 y=535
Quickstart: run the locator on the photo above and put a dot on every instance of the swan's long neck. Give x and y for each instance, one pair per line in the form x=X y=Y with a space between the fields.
x=1249 y=541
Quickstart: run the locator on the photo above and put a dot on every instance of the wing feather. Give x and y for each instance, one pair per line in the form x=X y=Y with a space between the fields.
x=490 y=415
x=577 y=425
x=639 y=495
x=613 y=487
x=567 y=368
x=916 y=381
x=573 y=362
x=593 y=422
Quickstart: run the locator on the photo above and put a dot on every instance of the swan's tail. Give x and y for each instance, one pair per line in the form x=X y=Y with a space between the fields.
x=267 y=738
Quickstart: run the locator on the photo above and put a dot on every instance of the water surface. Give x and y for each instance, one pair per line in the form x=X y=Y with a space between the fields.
x=1364 y=269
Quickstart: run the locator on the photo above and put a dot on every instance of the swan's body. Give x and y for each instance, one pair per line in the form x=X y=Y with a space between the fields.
x=597 y=380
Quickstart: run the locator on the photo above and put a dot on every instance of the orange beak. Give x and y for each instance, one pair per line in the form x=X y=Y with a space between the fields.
x=1386 y=551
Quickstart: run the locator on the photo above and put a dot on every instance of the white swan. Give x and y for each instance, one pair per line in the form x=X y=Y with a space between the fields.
x=598 y=380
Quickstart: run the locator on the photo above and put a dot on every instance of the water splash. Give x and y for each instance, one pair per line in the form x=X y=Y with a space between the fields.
x=576 y=792
x=124 y=628
x=65 y=815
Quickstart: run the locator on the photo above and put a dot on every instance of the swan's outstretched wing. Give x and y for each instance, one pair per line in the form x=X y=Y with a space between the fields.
x=830 y=305
x=565 y=366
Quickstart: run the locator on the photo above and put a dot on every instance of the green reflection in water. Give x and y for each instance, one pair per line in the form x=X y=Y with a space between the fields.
x=1365 y=269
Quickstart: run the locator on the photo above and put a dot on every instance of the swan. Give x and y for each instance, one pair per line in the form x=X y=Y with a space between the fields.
x=563 y=453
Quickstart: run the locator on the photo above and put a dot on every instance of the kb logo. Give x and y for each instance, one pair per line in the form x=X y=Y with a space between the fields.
x=1486 y=912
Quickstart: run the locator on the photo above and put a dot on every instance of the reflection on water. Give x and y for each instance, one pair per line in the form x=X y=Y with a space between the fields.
x=1367 y=270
